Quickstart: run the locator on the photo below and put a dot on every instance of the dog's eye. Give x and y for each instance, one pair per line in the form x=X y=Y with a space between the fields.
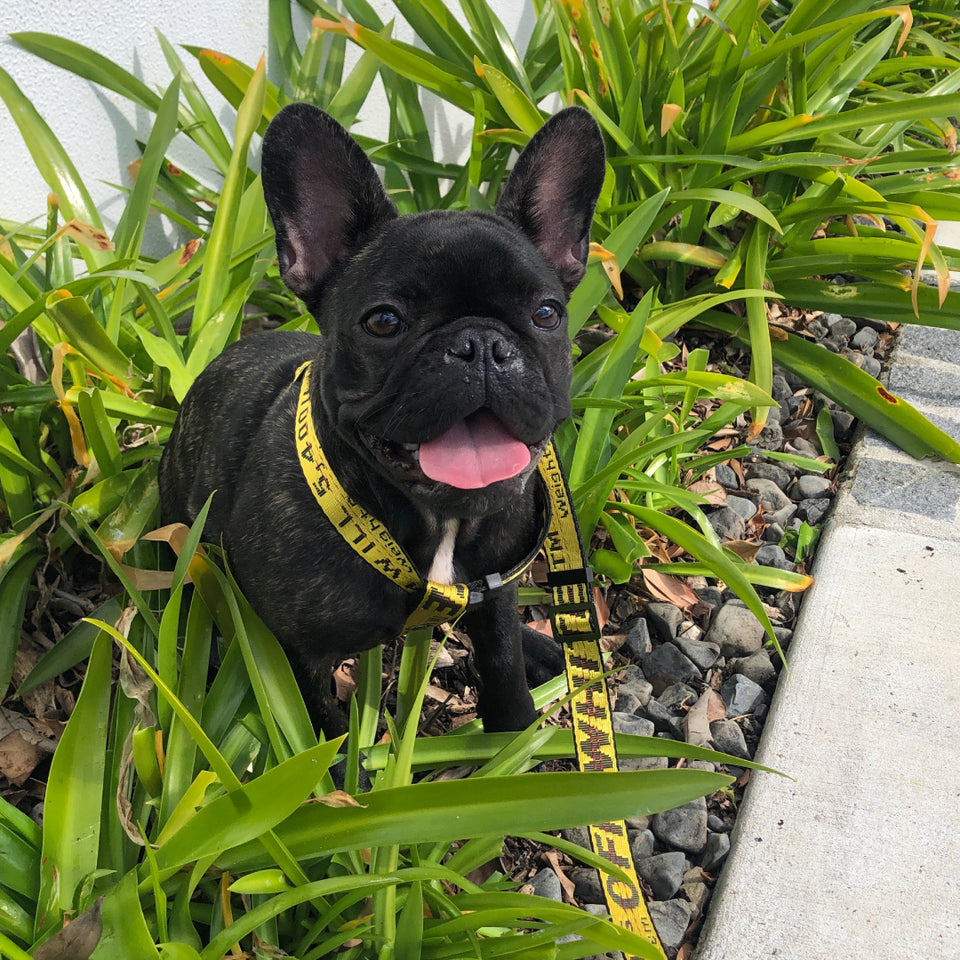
x=383 y=323
x=546 y=316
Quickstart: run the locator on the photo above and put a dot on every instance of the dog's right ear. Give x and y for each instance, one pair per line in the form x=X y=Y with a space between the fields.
x=322 y=194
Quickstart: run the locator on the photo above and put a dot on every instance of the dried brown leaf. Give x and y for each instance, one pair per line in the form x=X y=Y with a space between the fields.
x=338 y=799
x=670 y=589
x=78 y=938
x=744 y=549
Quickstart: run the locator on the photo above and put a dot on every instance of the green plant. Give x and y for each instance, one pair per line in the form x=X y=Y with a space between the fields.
x=202 y=803
x=757 y=133
x=742 y=146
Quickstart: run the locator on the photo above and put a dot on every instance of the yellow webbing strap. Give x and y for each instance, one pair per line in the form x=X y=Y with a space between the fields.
x=573 y=615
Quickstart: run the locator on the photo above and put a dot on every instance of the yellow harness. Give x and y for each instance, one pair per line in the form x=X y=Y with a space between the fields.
x=573 y=616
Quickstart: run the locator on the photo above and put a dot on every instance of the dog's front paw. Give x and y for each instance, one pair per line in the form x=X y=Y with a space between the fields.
x=542 y=656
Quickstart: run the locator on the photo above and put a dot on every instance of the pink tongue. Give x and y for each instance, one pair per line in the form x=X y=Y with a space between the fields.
x=473 y=453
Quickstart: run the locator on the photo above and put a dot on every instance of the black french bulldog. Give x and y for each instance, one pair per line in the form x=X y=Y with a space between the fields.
x=442 y=370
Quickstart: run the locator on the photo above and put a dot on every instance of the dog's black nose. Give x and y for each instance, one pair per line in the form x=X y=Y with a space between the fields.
x=488 y=345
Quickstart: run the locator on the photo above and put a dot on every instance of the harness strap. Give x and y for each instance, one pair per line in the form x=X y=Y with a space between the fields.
x=573 y=615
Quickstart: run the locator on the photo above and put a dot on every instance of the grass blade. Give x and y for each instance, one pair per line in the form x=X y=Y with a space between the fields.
x=71 y=821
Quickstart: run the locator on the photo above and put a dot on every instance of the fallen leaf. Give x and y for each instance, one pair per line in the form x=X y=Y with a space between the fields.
x=744 y=549
x=553 y=858
x=452 y=703
x=670 y=589
x=603 y=611
x=710 y=490
x=148 y=579
x=338 y=799
x=78 y=938
x=18 y=757
x=345 y=681
x=542 y=626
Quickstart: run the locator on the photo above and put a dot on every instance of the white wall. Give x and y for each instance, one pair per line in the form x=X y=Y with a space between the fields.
x=98 y=128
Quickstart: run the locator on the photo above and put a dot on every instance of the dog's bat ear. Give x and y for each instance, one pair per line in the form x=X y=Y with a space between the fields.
x=553 y=190
x=322 y=193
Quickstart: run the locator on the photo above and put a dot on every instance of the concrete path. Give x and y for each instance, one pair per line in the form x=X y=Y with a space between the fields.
x=859 y=855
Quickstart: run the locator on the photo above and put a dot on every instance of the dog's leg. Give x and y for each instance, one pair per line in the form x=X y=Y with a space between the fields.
x=494 y=629
x=316 y=685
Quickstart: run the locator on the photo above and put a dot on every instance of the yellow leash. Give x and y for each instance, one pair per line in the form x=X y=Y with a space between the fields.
x=573 y=615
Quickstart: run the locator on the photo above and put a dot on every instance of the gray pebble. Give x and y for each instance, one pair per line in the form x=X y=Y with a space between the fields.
x=813 y=511
x=772 y=555
x=666 y=723
x=683 y=828
x=728 y=738
x=842 y=423
x=639 y=689
x=784 y=516
x=715 y=824
x=578 y=835
x=872 y=366
x=587 y=885
x=667 y=665
x=771 y=436
x=727 y=476
x=664 y=872
x=641 y=844
x=742 y=506
x=803 y=448
x=627 y=702
x=741 y=695
x=864 y=339
x=546 y=883
x=780 y=475
x=818 y=329
x=633 y=764
x=671 y=919
x=629 y=723
x=696 y=890
x=727 y=523
x=783 y=634
x=771 y=496
x=842 y=327
x=664 y=619
x=702 y=653
x=781 y=391
x=757 y=667
x=678 y=696
x=715 y=852
x=636 y=641
x=810 y=487
x=735 y=630
x=773 y=532
x=709 y=595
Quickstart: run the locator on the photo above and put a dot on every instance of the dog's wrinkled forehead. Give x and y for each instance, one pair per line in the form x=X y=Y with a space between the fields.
x=470 y=258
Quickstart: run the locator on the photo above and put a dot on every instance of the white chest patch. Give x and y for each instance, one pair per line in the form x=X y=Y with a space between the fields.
x=441 y=570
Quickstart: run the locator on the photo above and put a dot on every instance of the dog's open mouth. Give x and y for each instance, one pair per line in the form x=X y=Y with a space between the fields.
x=474 y=453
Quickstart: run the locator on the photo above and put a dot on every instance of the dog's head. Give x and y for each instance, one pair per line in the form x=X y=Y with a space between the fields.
x=445 y=363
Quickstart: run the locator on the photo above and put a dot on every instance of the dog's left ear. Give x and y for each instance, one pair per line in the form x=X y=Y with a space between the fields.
x=553 y=189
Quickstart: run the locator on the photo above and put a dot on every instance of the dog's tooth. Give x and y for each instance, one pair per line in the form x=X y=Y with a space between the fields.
x=411 y=447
